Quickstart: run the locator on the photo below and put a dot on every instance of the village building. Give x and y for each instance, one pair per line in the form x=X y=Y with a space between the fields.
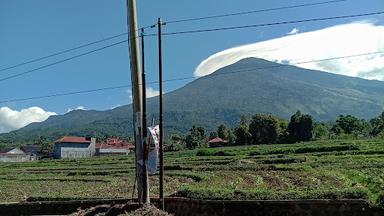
x=114 y=146
x=217 y=142
x=13 y=155
x=74 y=147
x=104 y=150
x=33 y=150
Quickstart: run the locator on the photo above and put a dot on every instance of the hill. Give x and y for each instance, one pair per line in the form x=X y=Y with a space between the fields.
x=247 y=87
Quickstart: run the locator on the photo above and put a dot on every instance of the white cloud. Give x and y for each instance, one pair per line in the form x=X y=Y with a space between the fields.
x=293 y=31
x=341 y=40
x=151 y=92
x=77 y=108
x=129 y=92
x=13 y=119
x=118 y=105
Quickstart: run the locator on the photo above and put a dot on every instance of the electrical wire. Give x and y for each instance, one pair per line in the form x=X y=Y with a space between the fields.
x=198 y=31
x=61 y=52
x=61 y=61
x=190 y=77
x=67 y=50
x=66 y=94
x=169 y=22
x=270 y=24
x=253 y=11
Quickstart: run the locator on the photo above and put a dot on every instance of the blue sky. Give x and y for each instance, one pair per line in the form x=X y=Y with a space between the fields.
x=31 y=29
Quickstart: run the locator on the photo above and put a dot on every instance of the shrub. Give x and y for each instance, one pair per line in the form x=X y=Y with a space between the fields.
x=207 y=152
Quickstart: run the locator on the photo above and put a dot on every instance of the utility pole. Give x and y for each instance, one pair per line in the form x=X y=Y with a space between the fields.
x=137 y=105
x=144 y=124
x=161 y=126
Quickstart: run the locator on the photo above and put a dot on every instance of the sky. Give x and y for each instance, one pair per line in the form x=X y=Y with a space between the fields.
x=32 y=29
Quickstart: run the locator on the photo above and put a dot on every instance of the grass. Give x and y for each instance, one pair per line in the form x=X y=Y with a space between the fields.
x=338 y=169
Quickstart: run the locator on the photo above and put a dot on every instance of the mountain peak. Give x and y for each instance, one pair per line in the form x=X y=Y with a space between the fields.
x=248 y=63
x=249 y=86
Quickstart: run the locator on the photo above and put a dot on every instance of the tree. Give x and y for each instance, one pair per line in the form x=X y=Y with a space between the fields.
x=196 y=138
x=300 y=127
x=322 y=131
x=377 y=125
x=283 y=131
x=264 y=129
x=176 y=143
x=336 y=130
x=306 y=126
x=223 y=132
x=213 y=135
x=350 y=124
x=44 y=144
x=244 y=120
x=231 y=137
x=243 y=136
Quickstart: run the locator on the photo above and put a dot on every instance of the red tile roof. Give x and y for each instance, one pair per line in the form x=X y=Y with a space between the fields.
x=217 y=140
x=113 y=147
x=106 y=146
x=68 y=139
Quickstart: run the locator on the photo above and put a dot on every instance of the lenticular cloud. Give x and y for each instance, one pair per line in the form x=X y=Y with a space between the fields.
x=341 y=40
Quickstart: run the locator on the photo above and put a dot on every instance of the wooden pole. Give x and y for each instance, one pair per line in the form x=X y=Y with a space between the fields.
x=144 y=124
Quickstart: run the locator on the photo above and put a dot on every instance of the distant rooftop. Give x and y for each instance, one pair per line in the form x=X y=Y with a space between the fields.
x=70 y=139
x=5 y=150
x=217 y=140
x=106 y=146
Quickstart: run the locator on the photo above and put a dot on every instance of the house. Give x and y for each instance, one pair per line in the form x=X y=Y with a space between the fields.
x=74 y=147
x=103 y=149
x=114 y=146
x=33 y=150
x=13 y=155
x=217 y=142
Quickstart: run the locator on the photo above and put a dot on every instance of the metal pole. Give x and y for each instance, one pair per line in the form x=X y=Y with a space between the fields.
x=137 y=107
x=161 y=127
x=144 y=124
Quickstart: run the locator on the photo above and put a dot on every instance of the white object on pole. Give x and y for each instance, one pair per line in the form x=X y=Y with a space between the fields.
x=154 y=154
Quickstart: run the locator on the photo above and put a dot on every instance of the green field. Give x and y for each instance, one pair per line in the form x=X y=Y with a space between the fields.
x=314 y=170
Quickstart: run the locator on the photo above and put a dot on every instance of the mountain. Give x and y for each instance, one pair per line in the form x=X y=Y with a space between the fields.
x=248 y=86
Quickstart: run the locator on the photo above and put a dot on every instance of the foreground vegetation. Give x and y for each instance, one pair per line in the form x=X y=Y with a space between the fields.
x=269 y=129
x=313 y=170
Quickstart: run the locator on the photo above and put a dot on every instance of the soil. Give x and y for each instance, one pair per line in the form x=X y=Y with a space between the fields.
x=121 y=210
x=149 y=210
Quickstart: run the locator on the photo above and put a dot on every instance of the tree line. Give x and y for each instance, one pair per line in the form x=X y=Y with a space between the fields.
x=269 y=129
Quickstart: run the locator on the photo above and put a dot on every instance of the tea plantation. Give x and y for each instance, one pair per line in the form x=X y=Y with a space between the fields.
x=339 y=169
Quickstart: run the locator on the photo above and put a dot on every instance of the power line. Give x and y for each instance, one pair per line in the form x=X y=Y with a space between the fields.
x=200 y=31
x=66 y=94
x=188 y=78
x=61 y=52
x=271 y=24
x=68 y=50
x=169 y=22
x=61 y=61
x=253 y=11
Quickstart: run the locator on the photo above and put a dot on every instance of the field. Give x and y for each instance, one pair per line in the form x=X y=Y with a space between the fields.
x=314 y=170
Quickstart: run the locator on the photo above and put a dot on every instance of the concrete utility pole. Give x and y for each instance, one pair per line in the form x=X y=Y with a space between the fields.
x=161 y=126
x=137 y=103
